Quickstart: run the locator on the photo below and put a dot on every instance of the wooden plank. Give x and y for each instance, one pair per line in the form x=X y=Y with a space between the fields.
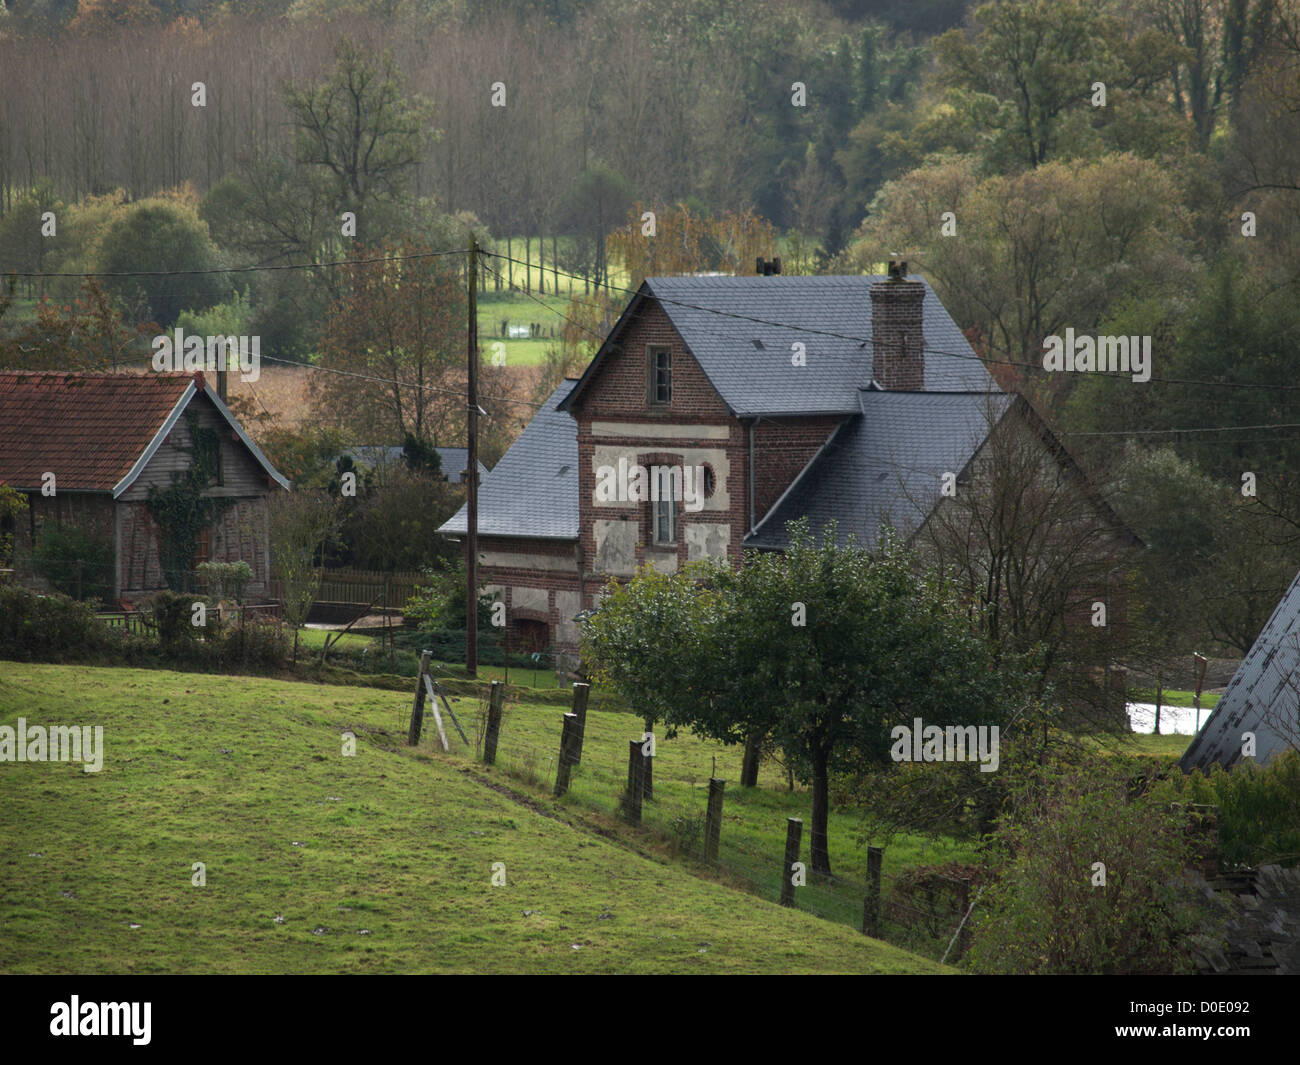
x=437 y=717
x=428 y=682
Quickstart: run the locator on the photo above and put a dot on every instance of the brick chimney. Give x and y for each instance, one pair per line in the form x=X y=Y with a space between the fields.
x=897 y=333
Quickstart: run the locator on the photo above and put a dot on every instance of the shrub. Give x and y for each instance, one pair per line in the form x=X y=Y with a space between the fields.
x=1258 y=808
x=74 y=562
x=1044 y=914
x=45 y=627
x=225 y=580
x=172 y=615
x=12 y=504
x=254 y=643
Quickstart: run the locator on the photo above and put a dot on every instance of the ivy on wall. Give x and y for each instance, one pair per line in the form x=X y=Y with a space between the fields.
x=182 y=511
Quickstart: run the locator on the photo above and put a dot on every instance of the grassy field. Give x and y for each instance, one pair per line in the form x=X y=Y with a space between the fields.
x=380 y=862
x=1166 y=746
x=517 y=309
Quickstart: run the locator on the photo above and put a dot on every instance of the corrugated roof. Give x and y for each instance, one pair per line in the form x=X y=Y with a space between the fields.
x=88 y=429
x=1263 y=696
x=533 y=490
x=886 y=466
x=748 y=362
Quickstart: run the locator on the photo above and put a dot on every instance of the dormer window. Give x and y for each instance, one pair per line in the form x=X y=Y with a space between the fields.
x=659 y=364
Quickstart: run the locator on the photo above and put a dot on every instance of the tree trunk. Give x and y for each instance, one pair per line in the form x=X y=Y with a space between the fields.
x=821 y=855
x=749 y=767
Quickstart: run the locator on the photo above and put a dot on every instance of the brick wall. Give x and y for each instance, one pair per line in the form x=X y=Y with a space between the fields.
x=619 y=387
x=782 y=448
x=897 y=335
x=538 y=581
x=618 y=394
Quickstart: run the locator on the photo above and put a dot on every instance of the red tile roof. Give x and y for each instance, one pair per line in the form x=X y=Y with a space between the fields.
x=88 y=429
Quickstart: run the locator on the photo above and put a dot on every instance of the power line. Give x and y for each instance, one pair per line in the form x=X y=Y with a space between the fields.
x=932 y=351
x=1202 y=429
x=387 y=381
x=230 y=269
x=861 y=341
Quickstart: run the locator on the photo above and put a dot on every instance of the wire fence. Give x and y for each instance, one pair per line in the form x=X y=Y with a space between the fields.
x=390 y=648
x=921 y=910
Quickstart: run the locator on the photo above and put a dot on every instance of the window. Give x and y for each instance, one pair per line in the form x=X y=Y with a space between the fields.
x=710 y=482
x=532 y=635
x=659 y=359
x=665 y=521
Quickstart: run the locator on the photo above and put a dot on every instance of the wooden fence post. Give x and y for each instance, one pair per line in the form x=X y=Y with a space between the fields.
x=417 y=710
x=871 y=905
x=713 y=819
x=580 y=693
x=635 y=777
x=564 y=767
x=493 y=732
x=647 y=771
x=749 y=765
x=793 y=833
x=963 y=903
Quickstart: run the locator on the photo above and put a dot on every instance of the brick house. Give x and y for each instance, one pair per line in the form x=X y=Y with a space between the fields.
x=845 y=398
x=86 y=448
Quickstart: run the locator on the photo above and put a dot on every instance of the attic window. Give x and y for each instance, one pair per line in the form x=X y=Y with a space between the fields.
x=659 y=367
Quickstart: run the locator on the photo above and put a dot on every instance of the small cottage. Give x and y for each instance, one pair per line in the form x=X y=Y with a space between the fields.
x=146 y=475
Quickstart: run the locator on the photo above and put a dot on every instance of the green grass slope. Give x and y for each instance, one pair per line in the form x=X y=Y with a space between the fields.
x=319 y=862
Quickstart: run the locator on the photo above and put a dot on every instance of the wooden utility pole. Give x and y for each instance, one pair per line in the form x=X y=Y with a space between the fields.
x=471 y=540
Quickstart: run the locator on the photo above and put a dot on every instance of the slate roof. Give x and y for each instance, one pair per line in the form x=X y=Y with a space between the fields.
x=454 y=459
x=885 y=467
x=1263 y=696
x=748 y=362
x=533 y=490
x=1258 y=915
x=95 y=432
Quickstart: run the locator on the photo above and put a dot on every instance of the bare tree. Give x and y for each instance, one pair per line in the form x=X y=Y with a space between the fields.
x=301 y=525
x=1042 y=560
